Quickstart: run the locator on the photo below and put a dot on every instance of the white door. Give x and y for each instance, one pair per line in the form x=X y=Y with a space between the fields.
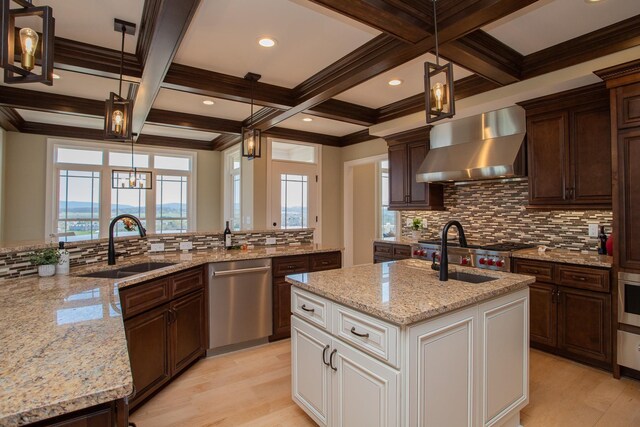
x=310 y=375
x=441 y=353
x=364 y=392
x=294 y=195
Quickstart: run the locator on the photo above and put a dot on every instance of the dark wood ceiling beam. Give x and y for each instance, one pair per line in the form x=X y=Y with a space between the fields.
x=302 y=136
x=49 y=102
x=148 y=21
x=356 y=138
x=10 y=120
x=345 y=112
x=485 y=55
x=613 y=38
x=172 y=22
x=193 y=121
x=169 y=141
x=225 y=141
x=94 y=60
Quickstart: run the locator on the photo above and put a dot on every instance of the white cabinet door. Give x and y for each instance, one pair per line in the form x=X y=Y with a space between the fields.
x=505 y=357
x=365 y=392
x=310 y=376
x=442 y=376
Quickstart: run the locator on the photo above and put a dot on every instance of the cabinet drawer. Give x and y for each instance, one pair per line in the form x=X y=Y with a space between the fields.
x=326 y=261
x=187 y=281
x=629 y=350
x=383 y=249
x=401 y=251
x=290 y=265
x=542 y=271
x=142 y=297
x=379 y=259
x=584 y=278
x=313 y=308
x=374 y=336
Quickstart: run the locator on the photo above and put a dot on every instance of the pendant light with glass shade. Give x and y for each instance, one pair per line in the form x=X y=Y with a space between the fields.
x=251 y=137
x=118 y=110
x=132 y=178
x=438 y=84
x=32 y=44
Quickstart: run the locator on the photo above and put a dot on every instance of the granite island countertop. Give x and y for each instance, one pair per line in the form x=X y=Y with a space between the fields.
x=62 y=339
x=566 y=256
x=405 y=292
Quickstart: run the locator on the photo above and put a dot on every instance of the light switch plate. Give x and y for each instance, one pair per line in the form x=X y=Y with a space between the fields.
x=425 y=224
x=593 y=230
x=186 y=246
x=270 y=241
x=408 y=222
x=157 y=247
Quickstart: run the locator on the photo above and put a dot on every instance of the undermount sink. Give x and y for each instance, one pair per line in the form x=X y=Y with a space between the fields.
x=129 y=270
x=469 y=277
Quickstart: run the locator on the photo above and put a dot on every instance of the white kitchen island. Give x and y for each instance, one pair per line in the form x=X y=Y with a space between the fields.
x=390 y=345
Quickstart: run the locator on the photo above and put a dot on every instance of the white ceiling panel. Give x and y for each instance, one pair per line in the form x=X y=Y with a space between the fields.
x=61 y=119
x=185 y=102
x=377 y=92
x=91 y=21
x=76 y=84
x=320 y=125
x=174 y=132
x=549 y=22
x=223 y=37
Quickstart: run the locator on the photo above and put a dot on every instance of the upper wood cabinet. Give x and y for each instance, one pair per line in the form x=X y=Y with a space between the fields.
x=569 y=149
x=407 y=150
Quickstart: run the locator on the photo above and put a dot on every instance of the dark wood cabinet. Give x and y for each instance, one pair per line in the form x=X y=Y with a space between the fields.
x=406 y=153
x=283 y=266
x=570 y=310
x=569 y=150
x=110 y=414
x=384 y=251
x=628 y=193
x=166 y=325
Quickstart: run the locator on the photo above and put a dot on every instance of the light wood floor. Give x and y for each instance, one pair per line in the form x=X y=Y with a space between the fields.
x=252 y=388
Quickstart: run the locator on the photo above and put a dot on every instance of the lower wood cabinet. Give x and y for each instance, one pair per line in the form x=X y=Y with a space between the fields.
x=110 y=414
x=568 y=317
x=166 y=338
x=386 y=251
x=281 y=267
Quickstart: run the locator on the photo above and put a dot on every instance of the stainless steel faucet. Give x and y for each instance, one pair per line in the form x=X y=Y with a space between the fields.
x=112 y=250
x=444 y=256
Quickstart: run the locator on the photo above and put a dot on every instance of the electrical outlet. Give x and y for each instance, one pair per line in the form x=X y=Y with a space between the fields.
x=157 y=247
x=593 y=230
x=425 y=224
x=270 y=241
x=186 y=246
x=408 y=222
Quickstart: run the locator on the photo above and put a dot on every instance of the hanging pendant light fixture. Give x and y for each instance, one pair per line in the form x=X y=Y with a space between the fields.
x=32 y=44
x=438 y=84
x=118 y=110
x=132 y=178
x=251 y=138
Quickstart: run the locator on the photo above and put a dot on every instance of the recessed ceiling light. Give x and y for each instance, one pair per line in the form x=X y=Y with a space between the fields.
x=592 y=1
x=267 y=42
x=307 y=119
x=395 y=82
x=208 y=102
x=55 y=76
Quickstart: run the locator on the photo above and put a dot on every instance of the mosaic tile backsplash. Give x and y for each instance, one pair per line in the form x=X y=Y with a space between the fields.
x=15 y=263
x=496 y=212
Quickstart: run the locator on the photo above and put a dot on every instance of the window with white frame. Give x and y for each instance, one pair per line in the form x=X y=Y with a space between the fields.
x=84 y=203
x=387 y=226
x=235 y=193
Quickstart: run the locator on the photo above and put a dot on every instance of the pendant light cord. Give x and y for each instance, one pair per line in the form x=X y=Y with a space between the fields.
x=121 y=60
x=435 y=29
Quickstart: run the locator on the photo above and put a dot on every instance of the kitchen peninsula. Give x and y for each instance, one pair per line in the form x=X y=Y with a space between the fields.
x=390 y=344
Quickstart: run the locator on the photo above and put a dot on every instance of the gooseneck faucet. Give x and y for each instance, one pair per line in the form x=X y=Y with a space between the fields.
x=112 y=250
x=444 y=256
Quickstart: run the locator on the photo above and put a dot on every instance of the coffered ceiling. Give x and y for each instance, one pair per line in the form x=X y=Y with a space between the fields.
x=332 y=62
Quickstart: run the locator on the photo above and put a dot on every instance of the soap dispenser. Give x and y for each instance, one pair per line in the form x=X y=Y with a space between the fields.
x=63 y=266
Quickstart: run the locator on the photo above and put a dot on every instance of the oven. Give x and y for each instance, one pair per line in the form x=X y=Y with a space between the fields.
x=629 y=298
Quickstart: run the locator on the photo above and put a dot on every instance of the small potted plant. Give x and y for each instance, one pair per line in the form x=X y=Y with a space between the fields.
x=46 y=260
x=416 y=226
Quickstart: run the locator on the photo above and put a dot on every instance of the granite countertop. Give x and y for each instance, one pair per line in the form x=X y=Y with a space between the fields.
x=398 y=240
x=566 y=256
x=62 y=339
x=405 y=292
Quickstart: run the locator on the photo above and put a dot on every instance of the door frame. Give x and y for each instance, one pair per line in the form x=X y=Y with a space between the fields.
x=347 y=220
x=317 y=230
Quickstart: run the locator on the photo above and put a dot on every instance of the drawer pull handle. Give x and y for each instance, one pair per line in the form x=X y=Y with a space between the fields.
x=325 y=262
x=310 y=310
x=323 y=355
x=353 y=331
x=580 y=278
x=291 y=267
x=534 y=271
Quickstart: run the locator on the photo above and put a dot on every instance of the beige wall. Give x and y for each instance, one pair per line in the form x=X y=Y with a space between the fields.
x=364 y=209
x=331 y=196
x=25 y=188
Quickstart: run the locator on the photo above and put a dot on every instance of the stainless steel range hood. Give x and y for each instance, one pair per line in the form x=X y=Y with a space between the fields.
x=487 y=146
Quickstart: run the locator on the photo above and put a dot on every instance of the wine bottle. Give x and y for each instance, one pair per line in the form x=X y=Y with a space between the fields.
x=602 y=236
x=227 y=236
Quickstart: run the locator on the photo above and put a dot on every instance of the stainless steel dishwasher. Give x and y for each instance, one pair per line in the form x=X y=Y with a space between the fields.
x=240 y=306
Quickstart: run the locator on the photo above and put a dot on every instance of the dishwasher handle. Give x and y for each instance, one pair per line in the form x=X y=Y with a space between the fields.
x=240 y=271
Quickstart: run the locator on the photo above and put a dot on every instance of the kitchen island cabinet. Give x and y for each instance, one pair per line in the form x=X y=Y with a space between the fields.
x=388 y=345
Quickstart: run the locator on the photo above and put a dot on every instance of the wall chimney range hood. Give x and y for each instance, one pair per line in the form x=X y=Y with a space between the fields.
x=487 y=146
